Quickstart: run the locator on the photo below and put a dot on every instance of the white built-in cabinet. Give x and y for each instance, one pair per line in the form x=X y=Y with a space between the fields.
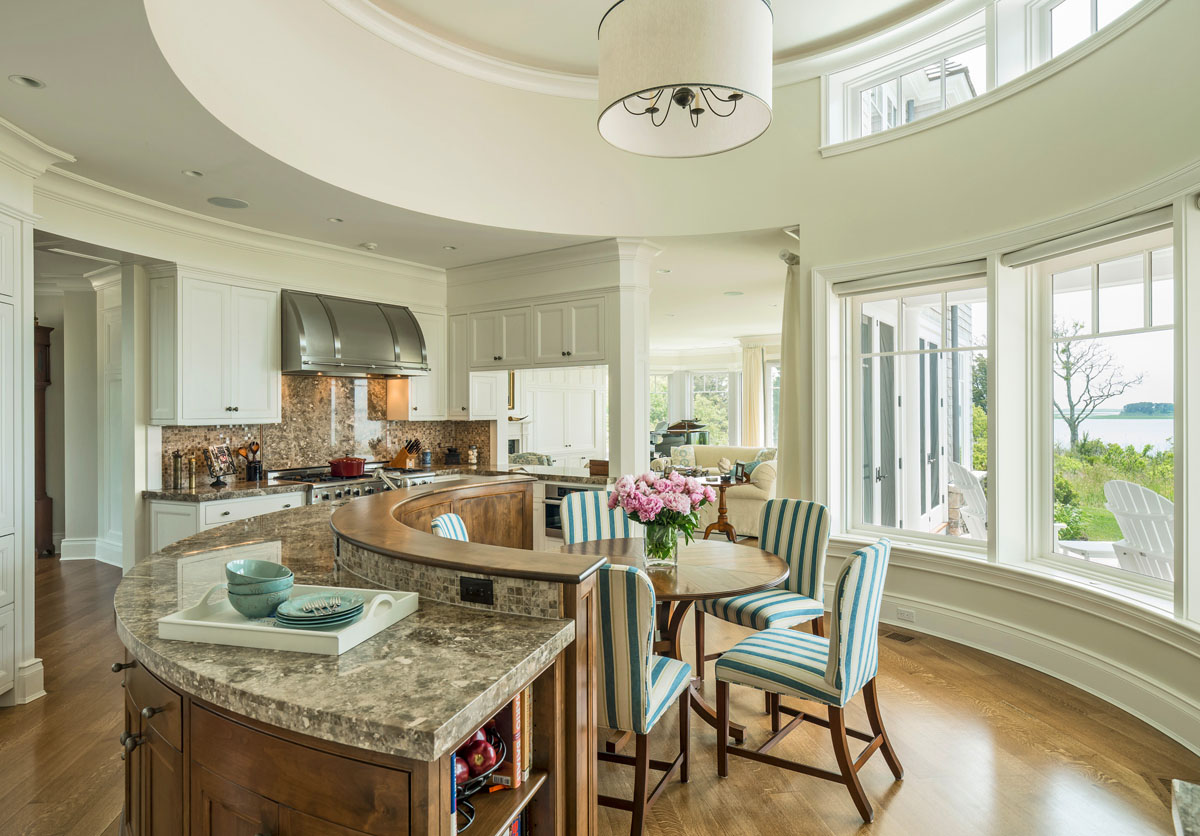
x=474 y=396
x=569 y=332
x=566 y=412
x=214 y=351
x=489 y=395
x=8 y=413
x=172 y=521
x=552 y=334
x=427 y=394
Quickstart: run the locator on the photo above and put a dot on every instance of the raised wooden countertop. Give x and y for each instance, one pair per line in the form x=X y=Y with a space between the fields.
x=372 y=524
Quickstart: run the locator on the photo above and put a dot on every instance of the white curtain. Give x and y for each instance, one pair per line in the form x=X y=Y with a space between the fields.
x=796 y=398
x=753 y=413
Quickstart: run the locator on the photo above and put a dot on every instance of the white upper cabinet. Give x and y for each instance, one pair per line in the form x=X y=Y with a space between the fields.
x=569 y=332
x=488 y=395
x=427 y=395
x=500 y=338
x=214 y=352
x=458 y=383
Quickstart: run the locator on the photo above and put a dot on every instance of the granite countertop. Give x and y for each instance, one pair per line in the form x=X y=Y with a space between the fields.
x=548 y=473
x=233 y=490
x=1185 y=807
x=414 y=690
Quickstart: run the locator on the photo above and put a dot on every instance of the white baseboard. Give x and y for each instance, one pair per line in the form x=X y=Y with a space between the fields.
x=77 y=548
x=57 y=537
x=28 y=687
x=109 y=552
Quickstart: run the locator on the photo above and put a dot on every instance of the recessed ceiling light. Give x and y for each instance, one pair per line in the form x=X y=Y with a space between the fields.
x=733 y=293
x=334 y=220
x=663 y=270
x=27 y=81
x=228 y=202
x=449 y=247
x=191 y=172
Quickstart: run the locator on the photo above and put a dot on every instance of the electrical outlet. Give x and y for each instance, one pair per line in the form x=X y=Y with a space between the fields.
x=906 y=615
x=476 y=591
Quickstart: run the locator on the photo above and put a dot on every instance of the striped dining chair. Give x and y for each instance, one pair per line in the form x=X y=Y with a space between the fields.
x=830 y=671
x=586 y=516
x=450 y=526
x=798 y=531
x=635 y=686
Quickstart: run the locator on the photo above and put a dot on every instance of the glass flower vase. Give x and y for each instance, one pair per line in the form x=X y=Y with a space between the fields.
x=662 y=545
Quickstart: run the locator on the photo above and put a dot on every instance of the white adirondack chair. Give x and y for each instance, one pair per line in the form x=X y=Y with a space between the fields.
x=1147 y=523
x=974 y=508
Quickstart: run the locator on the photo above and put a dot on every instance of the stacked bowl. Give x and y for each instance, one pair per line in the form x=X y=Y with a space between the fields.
x=257 y=587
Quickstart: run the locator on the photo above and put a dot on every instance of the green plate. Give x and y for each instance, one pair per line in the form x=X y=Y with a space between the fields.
x=293 y=608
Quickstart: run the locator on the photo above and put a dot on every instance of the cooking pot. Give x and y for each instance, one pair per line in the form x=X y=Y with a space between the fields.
x=347 y=466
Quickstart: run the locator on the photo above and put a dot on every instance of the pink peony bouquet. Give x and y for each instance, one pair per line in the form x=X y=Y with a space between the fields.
x=666 y=505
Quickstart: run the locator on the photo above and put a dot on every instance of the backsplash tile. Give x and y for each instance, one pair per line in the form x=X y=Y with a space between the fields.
x=327 y=417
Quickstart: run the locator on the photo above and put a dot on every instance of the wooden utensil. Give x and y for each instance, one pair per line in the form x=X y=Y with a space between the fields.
x=241 y=451
x=254 y=448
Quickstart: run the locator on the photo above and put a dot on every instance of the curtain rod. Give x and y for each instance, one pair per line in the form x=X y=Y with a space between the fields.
x=788 y=257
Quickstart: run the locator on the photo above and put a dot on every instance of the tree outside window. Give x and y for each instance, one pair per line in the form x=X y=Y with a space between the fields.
x=660 y=385
x=710 y=404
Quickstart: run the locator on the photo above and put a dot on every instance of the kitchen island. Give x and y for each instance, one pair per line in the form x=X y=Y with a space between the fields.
x=222 y=739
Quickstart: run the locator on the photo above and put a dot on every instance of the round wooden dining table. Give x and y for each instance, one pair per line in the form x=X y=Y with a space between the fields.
x=706 y=569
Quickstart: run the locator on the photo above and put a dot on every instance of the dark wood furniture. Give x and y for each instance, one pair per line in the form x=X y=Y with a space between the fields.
x=43 y=505
x=722 y=525
x=707 y=569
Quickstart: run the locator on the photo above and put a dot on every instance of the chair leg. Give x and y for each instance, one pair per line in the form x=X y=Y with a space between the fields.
x=818 y=625
x=722 y=729
x=685 y=732
x=641 y=784
x=766 y=702
x=773 y=710
x=841 y=750
x=871 y=697
x=699 y=642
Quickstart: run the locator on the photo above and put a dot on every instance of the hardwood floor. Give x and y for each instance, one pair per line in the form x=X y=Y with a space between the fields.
x=989 y=747
x=59 y=766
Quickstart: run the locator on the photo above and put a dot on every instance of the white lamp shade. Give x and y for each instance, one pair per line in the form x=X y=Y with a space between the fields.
x=722 y=45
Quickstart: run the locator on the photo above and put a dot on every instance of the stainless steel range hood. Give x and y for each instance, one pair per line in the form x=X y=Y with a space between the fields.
x=329 y=335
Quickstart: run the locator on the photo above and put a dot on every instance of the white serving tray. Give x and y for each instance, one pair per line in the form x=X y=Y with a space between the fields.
x=217 y=622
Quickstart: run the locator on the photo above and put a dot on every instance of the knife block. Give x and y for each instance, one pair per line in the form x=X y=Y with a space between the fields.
x=404 y=461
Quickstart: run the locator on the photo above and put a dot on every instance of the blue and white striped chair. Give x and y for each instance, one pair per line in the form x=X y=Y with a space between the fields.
x=450 y=526
x=586 y=516
x=797 y=531
x=635 y=686
x=830 y=670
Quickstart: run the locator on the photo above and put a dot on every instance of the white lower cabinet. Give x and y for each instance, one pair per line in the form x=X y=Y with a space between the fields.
x=8 y=570
x=172 y=521
x=8 y=645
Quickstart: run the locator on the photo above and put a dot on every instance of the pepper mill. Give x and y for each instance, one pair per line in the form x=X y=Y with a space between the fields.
x=176 y=470
x=191 y=473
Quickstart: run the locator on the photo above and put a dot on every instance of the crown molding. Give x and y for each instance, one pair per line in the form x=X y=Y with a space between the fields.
x=27 y=154
x=562 y=258
x=78 y=191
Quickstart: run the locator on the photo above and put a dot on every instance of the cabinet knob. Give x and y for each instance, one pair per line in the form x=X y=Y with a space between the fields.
x=225 y=513
x=568 y=354
x=463 y=408
x=289 y=505
x=117 y=667
x=414 y=409
x=564 y=354
x=125 y=736
x=130 y=744
x=229 y=409
x=235 y=409
x=150 y=711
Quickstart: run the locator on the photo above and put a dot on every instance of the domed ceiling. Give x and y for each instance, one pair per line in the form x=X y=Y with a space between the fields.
x=559 y=36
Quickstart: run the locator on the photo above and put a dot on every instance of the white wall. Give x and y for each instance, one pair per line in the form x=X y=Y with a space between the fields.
x=80 y=424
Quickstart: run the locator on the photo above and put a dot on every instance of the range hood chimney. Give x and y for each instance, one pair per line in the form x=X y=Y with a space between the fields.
x=329 y=335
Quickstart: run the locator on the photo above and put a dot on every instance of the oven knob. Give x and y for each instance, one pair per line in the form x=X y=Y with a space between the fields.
x=357 y=492
x=324 y=496
x=370 y=491
x=337 y=494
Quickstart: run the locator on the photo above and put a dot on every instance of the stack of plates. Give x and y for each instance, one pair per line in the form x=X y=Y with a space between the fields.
x=320 y=610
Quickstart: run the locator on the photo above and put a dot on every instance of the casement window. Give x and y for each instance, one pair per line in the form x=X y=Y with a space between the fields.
x=772 y=403
x=660 y=389
x=918 y=404
x=711 y=404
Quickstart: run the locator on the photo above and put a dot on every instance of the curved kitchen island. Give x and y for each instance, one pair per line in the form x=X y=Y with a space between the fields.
x=225 y=739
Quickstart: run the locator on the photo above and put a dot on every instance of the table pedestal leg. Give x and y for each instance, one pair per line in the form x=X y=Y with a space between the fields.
x=674 y=648
x=722 y=524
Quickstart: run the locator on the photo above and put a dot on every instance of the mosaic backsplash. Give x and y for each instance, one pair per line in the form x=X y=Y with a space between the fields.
x=327 y=417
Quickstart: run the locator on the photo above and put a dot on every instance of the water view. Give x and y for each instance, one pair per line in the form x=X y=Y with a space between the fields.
x=1157 y=432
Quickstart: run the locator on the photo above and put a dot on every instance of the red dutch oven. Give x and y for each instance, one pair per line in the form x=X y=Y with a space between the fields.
x=347 y=466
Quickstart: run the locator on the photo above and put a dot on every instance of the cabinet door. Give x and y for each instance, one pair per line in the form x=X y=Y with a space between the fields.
x=294 y=823
x=255 y=366
x=550 y=334
x=8 y=415
x=162 y=785
x=549 y=421
x=204 y=346
x=487 y=395
x=171 y=522
x=486 y=340
x=8 y=569
x=458 y=377
x=585 y=330
x=580 y=424
x=515 y=325
x=222 y=808
x=131 y=815
x=427 y=395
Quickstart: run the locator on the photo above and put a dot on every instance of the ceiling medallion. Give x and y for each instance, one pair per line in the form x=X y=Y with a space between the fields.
x=709 y=59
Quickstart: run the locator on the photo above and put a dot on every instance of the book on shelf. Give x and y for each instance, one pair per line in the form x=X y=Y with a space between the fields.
x=527 y=732
x=511 y=773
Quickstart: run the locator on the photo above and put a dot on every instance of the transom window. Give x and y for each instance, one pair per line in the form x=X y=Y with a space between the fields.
x=938 y=83
x=920 y=409
x=1069 y=22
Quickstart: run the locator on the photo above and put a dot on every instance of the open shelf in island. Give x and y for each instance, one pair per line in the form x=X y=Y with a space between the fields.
x=495 y=811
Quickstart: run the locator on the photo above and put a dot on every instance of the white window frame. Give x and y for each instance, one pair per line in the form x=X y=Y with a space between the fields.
x=1041 y=400
x=770 y=435
x=939 y=51
x=1040 y=25
x=851 y=307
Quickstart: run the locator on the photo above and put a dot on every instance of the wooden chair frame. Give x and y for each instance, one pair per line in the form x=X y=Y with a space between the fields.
x=643 y=796
x=848 y=766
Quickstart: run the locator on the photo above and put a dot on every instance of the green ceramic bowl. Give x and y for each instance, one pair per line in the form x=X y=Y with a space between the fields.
x=242 y=572
x=258 y=605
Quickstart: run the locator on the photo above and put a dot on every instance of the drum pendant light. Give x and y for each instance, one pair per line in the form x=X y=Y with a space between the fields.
x=685 y=78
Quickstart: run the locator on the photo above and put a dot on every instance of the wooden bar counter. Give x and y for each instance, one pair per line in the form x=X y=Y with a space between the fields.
x=225 y=740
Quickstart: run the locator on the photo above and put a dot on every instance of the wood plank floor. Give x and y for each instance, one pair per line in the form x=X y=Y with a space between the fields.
x=989 y=747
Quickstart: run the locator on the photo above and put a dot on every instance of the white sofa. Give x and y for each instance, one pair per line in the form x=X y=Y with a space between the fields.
x=707 y=456
x=745 y=501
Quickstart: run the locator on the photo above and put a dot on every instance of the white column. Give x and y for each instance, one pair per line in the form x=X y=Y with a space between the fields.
x=23 y=158
x=79 y=423
x=135 y=411
x=629 y=360
x=679 y=397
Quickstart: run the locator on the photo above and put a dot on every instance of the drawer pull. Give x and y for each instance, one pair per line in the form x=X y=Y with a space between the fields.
x=150 y=711
x=131 y=744
x=117 y=667
x=226 y=513
x=289 y=505
x=124 y=737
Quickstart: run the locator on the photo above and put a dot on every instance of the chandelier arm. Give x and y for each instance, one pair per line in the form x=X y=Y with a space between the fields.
x=665 y=113
x=707 y=91
x=652 y=100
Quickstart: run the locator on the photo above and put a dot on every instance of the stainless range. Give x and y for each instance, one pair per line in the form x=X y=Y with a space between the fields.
x=323 y=486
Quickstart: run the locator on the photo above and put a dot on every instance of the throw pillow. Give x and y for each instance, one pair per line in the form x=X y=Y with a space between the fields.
x=766 y=454
x=750 y=466
x=683 y=456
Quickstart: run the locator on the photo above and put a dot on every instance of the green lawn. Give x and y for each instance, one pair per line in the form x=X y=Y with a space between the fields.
x=1100 y=524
